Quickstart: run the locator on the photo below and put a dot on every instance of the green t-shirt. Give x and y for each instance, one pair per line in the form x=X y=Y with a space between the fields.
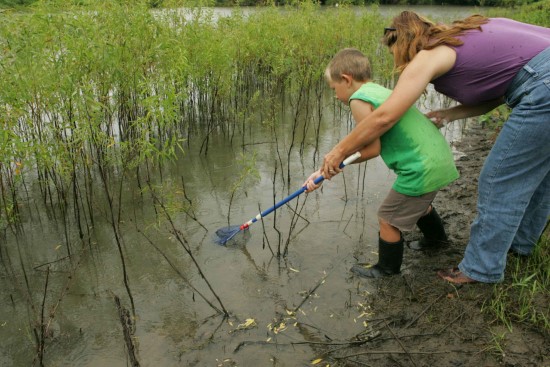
x=413 y=148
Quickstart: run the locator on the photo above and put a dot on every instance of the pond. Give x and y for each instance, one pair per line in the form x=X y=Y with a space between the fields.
x=278 y=306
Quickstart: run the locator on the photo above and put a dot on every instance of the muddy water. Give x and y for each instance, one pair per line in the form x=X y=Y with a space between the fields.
x=279 y=307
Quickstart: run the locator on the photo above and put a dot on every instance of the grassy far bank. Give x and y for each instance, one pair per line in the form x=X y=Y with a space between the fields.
x=224 y=3
x=141 y=73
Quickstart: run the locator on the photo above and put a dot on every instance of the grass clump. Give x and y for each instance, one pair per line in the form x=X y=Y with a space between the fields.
x=523 y=295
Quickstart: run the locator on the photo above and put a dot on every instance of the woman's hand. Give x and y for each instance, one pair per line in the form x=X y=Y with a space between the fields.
x=440 y=117
x=310 y=185
x=331 y=163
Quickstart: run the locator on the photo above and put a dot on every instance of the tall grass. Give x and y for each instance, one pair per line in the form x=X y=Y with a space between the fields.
x=87 y=93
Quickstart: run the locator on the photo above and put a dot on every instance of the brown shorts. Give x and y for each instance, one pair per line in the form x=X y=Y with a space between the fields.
x=403 y=211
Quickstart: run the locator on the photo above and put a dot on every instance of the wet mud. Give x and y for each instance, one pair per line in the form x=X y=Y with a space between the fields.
x=417 y=319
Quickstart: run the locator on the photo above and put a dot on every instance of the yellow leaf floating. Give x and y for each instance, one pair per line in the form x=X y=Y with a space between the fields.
x=281 y=327
x=247 y=324
x=318 y=360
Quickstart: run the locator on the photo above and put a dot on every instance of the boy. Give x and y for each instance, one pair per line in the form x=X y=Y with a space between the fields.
x=413 y=148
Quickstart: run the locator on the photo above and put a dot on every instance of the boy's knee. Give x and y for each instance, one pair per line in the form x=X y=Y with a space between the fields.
x=388 y=232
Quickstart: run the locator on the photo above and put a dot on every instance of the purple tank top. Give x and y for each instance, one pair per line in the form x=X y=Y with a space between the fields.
x=488 y=61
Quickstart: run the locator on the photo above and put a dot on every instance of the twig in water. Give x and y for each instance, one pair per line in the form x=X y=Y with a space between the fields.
x=179 y=272
x=183 y=242
x=310 y=293
x=42 y=339
x=128 y=331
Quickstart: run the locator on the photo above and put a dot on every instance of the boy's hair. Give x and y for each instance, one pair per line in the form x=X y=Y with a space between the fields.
x=349 y=61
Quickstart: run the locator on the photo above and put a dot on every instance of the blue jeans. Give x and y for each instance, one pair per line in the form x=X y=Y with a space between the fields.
x=514 y=185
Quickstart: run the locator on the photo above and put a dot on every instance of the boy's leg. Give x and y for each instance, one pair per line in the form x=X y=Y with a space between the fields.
x=400 y=212
x=388 y=232
x=397 y=212
x=390 y=257
x=433 y=231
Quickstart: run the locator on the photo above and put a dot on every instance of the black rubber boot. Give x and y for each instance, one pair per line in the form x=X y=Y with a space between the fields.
x=432 y=228
x=390 y=257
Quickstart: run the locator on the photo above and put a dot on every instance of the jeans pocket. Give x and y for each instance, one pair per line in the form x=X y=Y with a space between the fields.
x=538 y=93
x=515 y=97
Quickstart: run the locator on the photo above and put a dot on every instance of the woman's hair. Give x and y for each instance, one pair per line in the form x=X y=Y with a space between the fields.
x=410 y=33
x=349 y=61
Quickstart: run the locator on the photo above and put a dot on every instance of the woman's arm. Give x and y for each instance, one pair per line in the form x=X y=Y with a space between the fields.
x=426 y=66
x=440 y=117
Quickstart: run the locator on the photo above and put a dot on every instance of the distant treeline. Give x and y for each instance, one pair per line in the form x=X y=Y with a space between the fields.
x=171 y=3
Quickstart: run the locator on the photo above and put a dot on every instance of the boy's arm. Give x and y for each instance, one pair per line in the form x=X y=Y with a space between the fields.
x=360 y=110
x=369 y=151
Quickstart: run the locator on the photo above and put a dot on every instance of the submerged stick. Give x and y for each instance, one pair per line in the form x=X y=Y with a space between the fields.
x=127 y=329
x=183 y=242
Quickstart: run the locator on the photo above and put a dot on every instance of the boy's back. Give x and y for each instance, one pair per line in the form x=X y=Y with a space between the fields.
x=413 y=148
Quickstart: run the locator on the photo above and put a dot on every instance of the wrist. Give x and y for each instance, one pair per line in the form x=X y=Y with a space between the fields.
x=341 y=150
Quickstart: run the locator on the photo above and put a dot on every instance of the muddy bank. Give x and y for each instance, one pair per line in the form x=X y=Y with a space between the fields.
x=416 y=319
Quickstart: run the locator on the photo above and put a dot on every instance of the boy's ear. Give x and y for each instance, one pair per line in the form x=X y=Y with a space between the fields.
x=348 y=78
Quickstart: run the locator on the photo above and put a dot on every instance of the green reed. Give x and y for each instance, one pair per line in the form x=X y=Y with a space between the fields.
x=96 y=98
x=86 y=91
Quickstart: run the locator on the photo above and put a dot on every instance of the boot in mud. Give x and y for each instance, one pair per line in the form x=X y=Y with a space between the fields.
x=390 y=257
x=432 y=228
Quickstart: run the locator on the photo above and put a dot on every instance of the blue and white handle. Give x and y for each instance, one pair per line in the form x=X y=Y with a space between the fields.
x=318 y=180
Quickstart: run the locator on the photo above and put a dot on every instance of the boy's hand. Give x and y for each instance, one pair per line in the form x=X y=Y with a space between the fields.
x=310 y=186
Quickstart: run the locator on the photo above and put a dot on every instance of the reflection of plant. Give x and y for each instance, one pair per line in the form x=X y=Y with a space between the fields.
x=247 y=176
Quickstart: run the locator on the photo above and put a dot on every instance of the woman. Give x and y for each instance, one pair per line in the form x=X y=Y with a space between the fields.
x=481 y=63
